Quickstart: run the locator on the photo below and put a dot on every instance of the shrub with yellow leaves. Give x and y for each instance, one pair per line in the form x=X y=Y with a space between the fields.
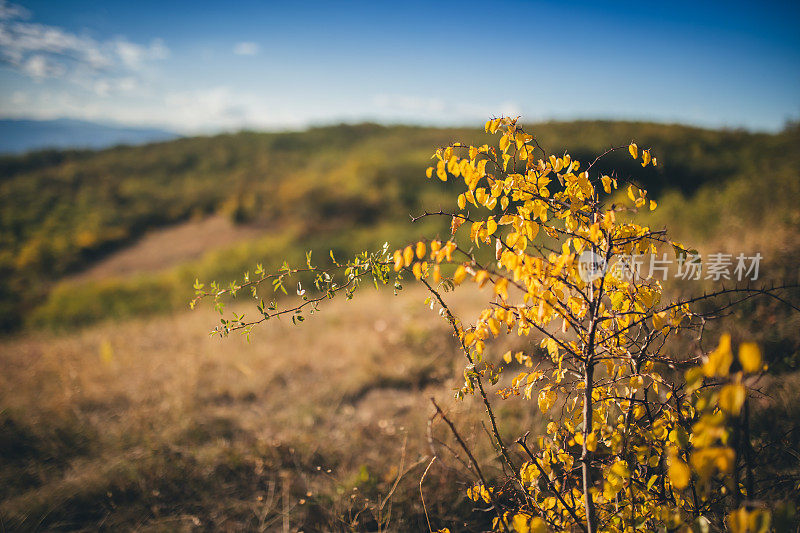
x=638 y=438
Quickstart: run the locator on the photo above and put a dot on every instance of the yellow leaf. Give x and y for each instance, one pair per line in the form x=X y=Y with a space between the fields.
x=620 y=468
x=417 y=270
x=520 y=523
x=455 y=224
x=429 y=172
x=679 y=473
x=731 y=398
x=737 y=521
x=398 y=260
x=750 y=357
x=653 y=205
x=420 y=250
x=659 y=319
x=504 y=143
x=591 y=442
x=408 y=255
x=460 y=274
x=546 y=400
x=462 y=201
x=719 y=361
x=538 y=525
x=491 y=226
x=645 y=157
x=634 y=150
x=606 y=184
x=630 y=193
x=595 y=233
x=501 y=288
x=679 y=436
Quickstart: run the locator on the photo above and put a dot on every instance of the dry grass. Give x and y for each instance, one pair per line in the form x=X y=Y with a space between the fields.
x=168 y=247
x=151 y=424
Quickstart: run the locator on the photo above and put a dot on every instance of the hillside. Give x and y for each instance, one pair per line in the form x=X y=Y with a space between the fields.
x=61 y=212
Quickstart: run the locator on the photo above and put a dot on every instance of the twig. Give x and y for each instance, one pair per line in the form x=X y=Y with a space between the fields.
x=422 y=497
x=522 y=441
x=474 y=463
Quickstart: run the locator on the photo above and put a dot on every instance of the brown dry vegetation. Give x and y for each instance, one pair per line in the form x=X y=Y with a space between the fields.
x=169 y=247
x=151 y=425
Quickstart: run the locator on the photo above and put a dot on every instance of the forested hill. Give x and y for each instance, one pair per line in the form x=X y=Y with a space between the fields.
x=60 y=211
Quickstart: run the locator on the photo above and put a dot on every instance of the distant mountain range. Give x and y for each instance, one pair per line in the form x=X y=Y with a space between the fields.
x=17 y=136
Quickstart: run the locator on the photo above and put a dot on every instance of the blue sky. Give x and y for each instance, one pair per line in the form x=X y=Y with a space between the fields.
x=211 y=66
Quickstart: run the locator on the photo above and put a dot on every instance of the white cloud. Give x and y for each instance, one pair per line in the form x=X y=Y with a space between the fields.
x=12 y=11
x=19 y=98
x=246 y=49
x=225 y=108
x=133 y=55
x=39 y=67
x=197 y=111
x=414 y=104
x=44 y=51
x=437 y=110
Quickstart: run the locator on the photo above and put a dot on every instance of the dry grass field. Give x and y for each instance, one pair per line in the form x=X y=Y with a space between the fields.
x=152 y=425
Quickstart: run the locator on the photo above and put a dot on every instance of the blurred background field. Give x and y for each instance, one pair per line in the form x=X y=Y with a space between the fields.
x=230 y=201
x=118 y=411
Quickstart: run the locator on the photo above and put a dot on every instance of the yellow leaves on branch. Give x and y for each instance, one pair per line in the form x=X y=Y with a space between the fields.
x=706 y=461
x=615 y=478
x=743 y=520
x=720 y=359
x=642 y=199
x=525 y=523
x=413 y=256
x=647 y=158
x=607 y=183
x=523 y=201
x=479 y=492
